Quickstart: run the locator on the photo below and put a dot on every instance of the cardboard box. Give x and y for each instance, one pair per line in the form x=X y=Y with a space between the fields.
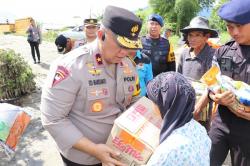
x=136 y=132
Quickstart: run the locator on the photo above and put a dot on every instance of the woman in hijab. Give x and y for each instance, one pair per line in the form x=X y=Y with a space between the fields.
x=183 y=141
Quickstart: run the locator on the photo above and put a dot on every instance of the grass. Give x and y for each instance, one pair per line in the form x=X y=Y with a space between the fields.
x=50 y=36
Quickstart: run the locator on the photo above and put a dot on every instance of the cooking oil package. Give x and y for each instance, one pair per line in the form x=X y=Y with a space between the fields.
x=214 y=79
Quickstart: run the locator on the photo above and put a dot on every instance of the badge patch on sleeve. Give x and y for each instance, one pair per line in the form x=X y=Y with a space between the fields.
x=61 y=74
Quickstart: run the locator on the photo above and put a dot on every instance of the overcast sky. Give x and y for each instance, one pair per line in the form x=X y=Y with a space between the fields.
x=59 y=11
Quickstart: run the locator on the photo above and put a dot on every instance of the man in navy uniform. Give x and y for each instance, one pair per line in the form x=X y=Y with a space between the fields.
x=230 y=130
x=157 y=48
x=89 y=87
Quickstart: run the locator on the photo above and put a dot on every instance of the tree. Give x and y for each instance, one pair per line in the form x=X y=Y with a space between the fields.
x=179 y=11
x=215 y=21
x=143 y=15
x=185 y=10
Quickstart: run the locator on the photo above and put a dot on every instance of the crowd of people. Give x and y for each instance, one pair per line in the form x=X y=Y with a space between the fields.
x=97 y=80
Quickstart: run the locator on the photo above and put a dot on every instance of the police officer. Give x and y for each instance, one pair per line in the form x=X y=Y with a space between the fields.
x=157 y=48
x=65 y=44
x=89 y=87
x=230 y=129
x=91 y=27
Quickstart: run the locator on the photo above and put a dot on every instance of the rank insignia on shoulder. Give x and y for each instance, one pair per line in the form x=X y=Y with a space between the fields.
x=61 y=74
x=98 y=59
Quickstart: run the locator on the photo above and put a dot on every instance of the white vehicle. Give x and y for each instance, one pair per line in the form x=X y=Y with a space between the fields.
x=75 y=33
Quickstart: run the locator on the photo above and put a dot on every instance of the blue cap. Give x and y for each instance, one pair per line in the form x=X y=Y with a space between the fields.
x=157 y=18
x=236 y=11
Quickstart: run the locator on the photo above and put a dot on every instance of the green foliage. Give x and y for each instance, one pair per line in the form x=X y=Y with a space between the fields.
x=16 y=77
x=224 y=37
x=185 y=10
x=179 y=11
x=215 y=21
x=174 y=39
x=143 y=15
x=50 y=35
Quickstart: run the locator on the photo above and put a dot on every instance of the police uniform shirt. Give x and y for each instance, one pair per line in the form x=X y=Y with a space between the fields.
x=195 y=67
x=78 y=43
x=234 y=61
x=82 y=98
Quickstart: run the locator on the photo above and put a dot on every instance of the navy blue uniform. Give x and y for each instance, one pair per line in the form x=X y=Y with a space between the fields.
x=160 y=53
x=229 y=132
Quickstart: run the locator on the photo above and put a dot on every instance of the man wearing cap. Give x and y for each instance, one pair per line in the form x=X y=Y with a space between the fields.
x=65 y=44
x=157 y=48
x=91 y=27
x=230 y=128
x=89 y=87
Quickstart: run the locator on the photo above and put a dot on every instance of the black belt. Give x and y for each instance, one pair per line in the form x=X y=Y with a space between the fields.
x=70 y=163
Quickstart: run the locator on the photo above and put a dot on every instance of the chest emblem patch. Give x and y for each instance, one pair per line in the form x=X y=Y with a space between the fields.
x=97 y=106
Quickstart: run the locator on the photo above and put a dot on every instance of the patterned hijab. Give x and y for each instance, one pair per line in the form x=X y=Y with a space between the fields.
x=175 y=98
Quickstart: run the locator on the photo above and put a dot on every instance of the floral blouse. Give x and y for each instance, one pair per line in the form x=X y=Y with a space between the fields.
x=188 y=145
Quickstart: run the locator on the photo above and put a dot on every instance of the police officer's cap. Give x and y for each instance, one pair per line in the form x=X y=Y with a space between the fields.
x=236 y=11
x=125 y=24
x=61 y=43
x=91 y=21
x=157 y=18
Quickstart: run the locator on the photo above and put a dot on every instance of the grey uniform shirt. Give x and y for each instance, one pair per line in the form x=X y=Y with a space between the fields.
x=83 y=97
x=195 y=67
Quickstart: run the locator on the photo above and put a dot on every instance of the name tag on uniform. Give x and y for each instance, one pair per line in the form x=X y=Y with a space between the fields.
x=129 y=78
x=97 y=82
x=98 y=93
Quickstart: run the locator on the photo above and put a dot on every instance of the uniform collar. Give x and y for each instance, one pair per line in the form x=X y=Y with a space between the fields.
x=200 y=55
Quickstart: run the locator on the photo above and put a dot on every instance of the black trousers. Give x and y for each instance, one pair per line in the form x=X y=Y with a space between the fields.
x=70 y=163
x=35 y=46
x=233 y=136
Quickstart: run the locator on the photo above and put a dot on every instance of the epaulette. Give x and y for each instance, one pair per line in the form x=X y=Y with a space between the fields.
x=71 y=56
